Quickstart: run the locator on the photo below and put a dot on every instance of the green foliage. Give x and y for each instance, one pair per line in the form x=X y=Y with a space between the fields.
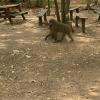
x=36 y=3
x=14 y=1
x=40 y=3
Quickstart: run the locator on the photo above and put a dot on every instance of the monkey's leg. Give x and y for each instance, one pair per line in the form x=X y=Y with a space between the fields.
x=72 y=29
x=55 y=37
x=62 y=38
x=47 y=36
x=70 y=36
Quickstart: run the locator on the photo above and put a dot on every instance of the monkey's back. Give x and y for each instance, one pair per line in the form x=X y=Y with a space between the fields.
x=60 y=27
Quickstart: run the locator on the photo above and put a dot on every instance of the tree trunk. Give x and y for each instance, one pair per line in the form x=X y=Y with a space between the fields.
x=67 y=5
x=49 y=7
x=96 y=2
x=57 y=10
x=63 y=13
x=64 y=10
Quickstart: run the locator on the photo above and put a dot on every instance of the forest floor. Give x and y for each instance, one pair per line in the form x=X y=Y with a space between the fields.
x=34 y=69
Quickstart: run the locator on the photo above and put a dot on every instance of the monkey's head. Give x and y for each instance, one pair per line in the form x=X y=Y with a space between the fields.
x=52 y=22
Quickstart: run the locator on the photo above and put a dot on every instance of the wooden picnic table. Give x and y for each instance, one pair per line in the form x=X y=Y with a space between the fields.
x=71 y=10
x=8 y=9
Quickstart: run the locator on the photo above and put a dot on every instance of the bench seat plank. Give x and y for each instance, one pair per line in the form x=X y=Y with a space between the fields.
x=18 y=13
x=82 y=16
x=41 y=13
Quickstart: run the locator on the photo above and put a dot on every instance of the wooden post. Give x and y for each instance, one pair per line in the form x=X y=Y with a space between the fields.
x=76 y=24
x=40 y=20
x=45 y=17
x=8 y=16
x=99 y=17
x=77 y=10
x=19 y=7
x=71 y=14
x=83 y=25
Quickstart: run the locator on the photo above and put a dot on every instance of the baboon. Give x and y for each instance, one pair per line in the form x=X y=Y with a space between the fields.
x=57 y=27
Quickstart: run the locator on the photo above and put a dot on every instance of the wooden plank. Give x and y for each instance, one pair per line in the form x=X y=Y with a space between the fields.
x=41 y=12
x=81 y=16
x=73 y=8
x=18 y=13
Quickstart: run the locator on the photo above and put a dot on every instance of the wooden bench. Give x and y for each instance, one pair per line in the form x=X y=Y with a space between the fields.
x=8 y=9
x=71 y=10
x=22 y=13
x=83 y=20
x=42 y=13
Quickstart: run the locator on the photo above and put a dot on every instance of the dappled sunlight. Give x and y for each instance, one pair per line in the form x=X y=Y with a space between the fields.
x=94 y=90
x=5 y=40
x=3 y=46
x=5 y=35
x=93 y=93
x=19 y=32
x=74 y=98
x=26 y=41
x=67 y=98
x=85 y=39
x=29 y=24
x=21 y=41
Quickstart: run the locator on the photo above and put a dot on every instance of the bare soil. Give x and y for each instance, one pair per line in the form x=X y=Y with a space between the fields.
x=34 y=69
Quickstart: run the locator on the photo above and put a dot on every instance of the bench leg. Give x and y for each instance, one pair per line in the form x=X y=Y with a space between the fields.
x=40 y=20
x=5 y=18
x=76 y=23
x=99 y=17
x=8 y=16
x=71 y=15
x=77 y=10
x=83 y=25
x=23 y=17
x=45 y=17
x=11 y=22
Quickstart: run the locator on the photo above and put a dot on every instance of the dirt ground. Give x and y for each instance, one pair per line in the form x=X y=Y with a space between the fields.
x=34 y=69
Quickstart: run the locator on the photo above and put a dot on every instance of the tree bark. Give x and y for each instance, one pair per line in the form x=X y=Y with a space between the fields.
x=57 y=10
x=64 y=10
x=49 y=7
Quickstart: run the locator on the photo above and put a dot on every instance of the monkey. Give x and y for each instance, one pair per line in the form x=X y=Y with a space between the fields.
x=57 y=27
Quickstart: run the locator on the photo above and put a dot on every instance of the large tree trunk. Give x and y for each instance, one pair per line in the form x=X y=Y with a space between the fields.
x=96 y=2
x=63 y=13
x=49 y=7
x=64 y=10
x=57 y=10
x=67 y=5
